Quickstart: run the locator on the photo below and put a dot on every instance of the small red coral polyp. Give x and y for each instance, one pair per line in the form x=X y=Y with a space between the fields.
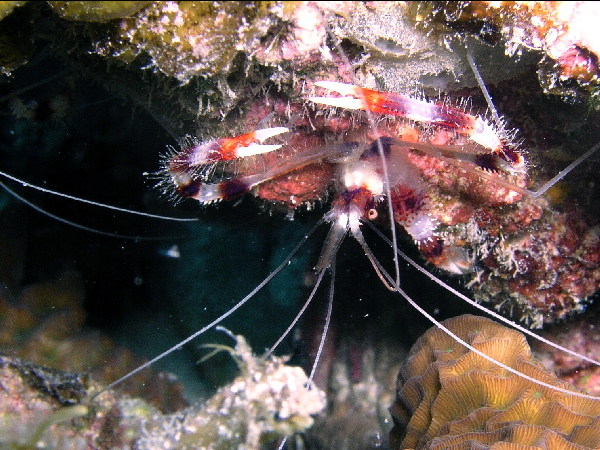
x=579 y=63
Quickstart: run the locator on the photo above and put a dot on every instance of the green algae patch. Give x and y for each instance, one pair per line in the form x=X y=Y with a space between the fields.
x=194 y=38
x=95 y=11
x=7 y=7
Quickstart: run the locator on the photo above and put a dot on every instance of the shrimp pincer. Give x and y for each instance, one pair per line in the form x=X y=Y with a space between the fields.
x=476 y=128
x=187 y=167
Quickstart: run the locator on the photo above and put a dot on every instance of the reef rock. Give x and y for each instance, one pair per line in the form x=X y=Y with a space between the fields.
x=449 y=397
x=269 y=400
x=47 y=408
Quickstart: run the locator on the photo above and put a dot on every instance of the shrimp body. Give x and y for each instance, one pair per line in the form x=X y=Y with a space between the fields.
x=444 y=185
x=354 y=165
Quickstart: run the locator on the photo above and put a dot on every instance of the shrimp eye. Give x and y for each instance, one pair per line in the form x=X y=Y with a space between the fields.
x=372 y=214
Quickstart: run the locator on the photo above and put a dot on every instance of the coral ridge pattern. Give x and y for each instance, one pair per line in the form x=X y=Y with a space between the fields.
x=450 y=397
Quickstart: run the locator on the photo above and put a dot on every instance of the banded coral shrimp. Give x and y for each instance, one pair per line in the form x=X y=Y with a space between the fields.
x=237 y=263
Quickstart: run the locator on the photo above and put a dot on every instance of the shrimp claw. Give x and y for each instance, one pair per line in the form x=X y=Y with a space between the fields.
x=476 y=128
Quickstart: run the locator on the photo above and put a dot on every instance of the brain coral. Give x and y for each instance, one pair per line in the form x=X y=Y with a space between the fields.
x=451 y=398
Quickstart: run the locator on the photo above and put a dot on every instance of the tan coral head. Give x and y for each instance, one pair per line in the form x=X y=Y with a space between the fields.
x=450 y=397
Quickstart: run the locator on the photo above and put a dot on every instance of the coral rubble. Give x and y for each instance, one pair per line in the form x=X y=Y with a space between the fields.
x=32 y=399
x=268 y=400
x=449 y=396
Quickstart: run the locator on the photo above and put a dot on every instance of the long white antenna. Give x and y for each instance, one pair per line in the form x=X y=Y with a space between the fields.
x=91 y=202
x=222 y=317
x=486 y=94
